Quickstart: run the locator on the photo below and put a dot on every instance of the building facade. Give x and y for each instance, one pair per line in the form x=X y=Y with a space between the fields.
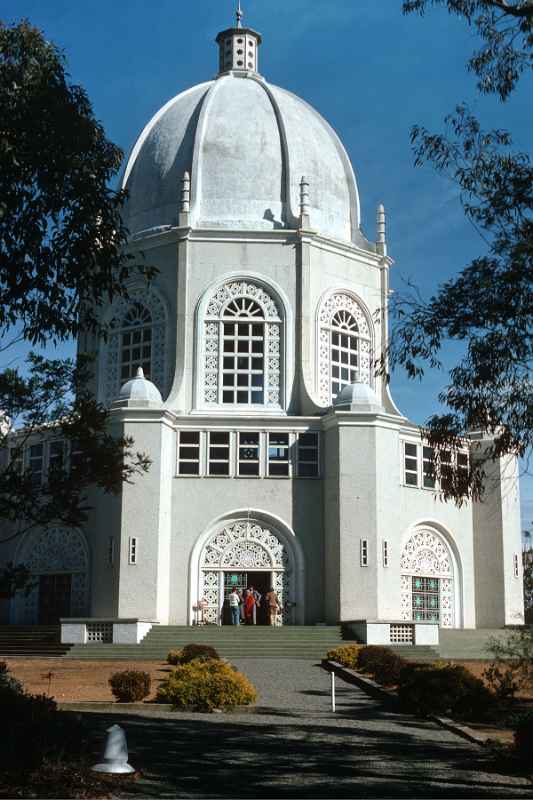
x=278 y=455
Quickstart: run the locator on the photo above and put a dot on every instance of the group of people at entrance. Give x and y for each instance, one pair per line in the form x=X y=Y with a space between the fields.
x=244 y=606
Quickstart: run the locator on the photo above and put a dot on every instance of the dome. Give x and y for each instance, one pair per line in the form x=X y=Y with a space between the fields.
x=246 y=145
x=358 y=397
x=140 y=390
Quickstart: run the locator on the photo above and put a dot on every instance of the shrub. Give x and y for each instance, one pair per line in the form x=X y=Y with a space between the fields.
x=37 y=731
x=174 y=657
x=130 y=686
x=523 y=735
x=192 y=651
x=345 y=655
x=502 y=682
x=381 y=662
x=425 y=689
x=205 y=684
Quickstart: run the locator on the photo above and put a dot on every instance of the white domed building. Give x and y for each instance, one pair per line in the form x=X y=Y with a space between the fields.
x=279 y=457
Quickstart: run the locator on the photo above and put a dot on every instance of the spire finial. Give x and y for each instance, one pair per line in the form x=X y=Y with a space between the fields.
x=239 y=14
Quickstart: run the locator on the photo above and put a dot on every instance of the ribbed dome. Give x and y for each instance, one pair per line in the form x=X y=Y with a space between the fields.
x=140 y=390
x=246 y=145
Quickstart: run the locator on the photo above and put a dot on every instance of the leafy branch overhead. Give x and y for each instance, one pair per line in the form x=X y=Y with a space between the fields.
x=63 y=258
x=506 y=31
x=488 y=307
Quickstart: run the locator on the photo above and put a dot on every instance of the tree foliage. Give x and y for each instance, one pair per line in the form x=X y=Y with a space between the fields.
x=488 y=307
x=62 y=258
x=506 y=30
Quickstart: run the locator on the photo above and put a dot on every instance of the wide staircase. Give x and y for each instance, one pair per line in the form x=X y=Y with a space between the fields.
x=302 y=641
x=38 y=641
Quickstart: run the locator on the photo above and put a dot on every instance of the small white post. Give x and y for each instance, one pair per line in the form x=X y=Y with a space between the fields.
x=115 y=757
x=332 y=691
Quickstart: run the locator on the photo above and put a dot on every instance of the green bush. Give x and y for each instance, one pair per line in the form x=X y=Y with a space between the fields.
x=192 y=651
x=523 y=735
x=130 y=686
x=380 y=662
x=205 y=684
x=502 y=681
x=345 y=655
x=174 y=657
x=426 y=689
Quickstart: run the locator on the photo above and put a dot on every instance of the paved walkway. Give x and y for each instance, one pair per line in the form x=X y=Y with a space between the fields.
x=294 y=746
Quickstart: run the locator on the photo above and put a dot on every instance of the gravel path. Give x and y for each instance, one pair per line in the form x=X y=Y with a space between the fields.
x=292 y=745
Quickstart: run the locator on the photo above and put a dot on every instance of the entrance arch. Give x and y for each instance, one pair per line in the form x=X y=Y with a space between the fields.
x=430 y=579
x=252 y=543
x=58 y=559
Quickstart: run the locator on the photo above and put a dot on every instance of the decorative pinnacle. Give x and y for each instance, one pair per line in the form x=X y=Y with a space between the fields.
x=239 y=14
x=304 y=196
x=381 y=240
x=185 y=193
x=140 y=372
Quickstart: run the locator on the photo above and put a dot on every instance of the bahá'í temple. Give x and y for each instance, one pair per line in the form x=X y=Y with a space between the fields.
x=246 y=372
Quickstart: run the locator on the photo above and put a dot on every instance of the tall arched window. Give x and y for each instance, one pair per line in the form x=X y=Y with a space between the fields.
x=242 y=347
x=345 y=353
x=136 y=342
x=137 y=338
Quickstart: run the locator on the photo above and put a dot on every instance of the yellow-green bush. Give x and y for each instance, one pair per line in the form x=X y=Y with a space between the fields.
x=202 y=685
x=174 y=658
x=345 y=654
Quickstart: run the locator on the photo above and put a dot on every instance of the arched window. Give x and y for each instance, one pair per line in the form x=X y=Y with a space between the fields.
x=137 y=338
x=136 y=342
x=242 y=341
x=345 y=346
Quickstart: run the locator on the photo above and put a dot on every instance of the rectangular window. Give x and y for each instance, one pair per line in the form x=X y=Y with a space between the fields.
x=111 y=550
x=462 y=464
x=428 y=475
x=36 y=464
x=15 y=460
x=243 y=365
x=75 y=455
x=516 y=571
x=278 y=454
x=248 y=455
x=364 y=552
x=410 y=464
x=56 y=455
x=426 y=599
x=189 y=453
x=133 y=554
x=308 y=455
x=385 y=552
x=219 y=448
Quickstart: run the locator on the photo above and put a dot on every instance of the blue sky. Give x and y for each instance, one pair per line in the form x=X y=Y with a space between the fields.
x=369 y=70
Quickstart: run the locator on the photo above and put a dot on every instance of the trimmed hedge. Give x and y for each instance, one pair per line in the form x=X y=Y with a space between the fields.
x=191 y=652
x=345 y=654
x=523 y=735
x=380 y=662
x=206 y=684
x=130 y=686
x=449 y=689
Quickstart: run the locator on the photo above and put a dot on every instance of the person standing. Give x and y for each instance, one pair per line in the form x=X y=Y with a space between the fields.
x=257 y=597
x=234 y=602
x=249 y=607
x=273 y=605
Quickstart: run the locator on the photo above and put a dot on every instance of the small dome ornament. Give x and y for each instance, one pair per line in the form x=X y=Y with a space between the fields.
x=358 y=397
x=139 y=391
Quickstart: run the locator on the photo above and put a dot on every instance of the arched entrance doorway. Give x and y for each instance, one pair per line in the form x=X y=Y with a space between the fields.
x=429 y=579
x=59 y=563
x=251 y=551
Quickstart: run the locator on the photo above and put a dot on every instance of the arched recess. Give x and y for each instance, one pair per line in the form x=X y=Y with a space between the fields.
x=340 y=312
x=431 y=577
x=54 y=552
x=149 y=303
x=275 y=316
x=247 y=540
